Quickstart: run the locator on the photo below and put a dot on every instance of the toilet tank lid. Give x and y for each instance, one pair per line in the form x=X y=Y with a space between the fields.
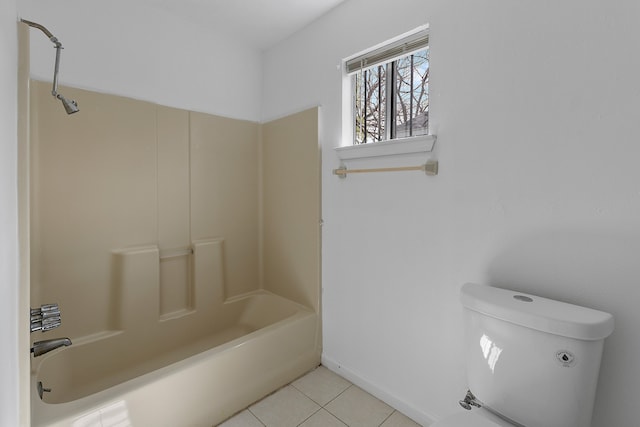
x=543 y=314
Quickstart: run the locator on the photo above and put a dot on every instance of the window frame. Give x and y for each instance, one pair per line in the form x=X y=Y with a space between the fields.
x=385 y=54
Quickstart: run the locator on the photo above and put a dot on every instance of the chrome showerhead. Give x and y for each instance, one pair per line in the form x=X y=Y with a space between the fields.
x=70 y=105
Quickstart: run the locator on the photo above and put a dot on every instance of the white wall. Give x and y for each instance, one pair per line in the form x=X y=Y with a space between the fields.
x=9 y=408
x=139 y=50
x=535 y=105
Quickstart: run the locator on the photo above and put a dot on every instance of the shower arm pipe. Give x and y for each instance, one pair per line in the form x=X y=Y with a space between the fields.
x=58 y=46
x=54 y=90
x=42 y=28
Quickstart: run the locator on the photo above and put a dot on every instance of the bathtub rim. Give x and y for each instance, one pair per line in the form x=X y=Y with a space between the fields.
x=43 y=413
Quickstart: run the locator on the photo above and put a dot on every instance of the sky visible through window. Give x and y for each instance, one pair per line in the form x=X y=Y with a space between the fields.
x=407 y=114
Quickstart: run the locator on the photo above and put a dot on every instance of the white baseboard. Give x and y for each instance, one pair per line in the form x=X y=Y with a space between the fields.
x=410 y=411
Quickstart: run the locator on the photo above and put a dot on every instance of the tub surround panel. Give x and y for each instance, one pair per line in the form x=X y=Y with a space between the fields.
x=93 y=190
x=291 y=213
x=176 y=281
x=173 y=177
x=164 y=178
x=126 y=174
x=224 y=193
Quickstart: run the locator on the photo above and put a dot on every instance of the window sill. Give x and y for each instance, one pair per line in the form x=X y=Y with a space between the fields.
x=416 y=144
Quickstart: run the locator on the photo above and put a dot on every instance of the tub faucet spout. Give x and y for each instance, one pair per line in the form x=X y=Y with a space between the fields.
x=41 y=347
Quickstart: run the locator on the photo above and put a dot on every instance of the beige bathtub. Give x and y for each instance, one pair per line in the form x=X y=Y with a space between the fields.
x=160 y=233
x=266 y=342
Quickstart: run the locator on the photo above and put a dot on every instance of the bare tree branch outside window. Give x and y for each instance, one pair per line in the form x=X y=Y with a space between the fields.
x=409 y=113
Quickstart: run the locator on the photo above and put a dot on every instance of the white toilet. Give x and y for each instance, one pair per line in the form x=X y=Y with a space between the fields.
x=531 y=361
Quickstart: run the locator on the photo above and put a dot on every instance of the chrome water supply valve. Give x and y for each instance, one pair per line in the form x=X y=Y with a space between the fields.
x=469 y=401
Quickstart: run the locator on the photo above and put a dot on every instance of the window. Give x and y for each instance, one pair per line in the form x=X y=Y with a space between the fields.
x=390 y=91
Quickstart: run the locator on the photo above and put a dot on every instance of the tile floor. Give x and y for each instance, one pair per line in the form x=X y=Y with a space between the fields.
x=320 y=399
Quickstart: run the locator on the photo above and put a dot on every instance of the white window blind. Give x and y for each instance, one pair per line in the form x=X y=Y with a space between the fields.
x=389 y=52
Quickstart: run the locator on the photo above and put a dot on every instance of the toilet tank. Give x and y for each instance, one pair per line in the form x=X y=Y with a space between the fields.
x=532 y=359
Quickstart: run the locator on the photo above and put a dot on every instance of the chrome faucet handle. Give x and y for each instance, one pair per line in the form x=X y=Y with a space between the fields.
x=45 y=318
x=49 y=324
x=51 y=314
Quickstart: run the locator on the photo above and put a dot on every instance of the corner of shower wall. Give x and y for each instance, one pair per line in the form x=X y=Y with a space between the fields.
x=291 y=214
x=225 y=194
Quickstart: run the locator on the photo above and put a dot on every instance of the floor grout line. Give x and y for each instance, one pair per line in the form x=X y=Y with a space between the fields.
x=337 y=417
x=256 y=417
x=317 y=410
x=339 y=394
x=385 y=420
x=320 y=406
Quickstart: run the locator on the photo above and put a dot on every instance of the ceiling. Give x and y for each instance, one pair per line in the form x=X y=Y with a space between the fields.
x=259 y=24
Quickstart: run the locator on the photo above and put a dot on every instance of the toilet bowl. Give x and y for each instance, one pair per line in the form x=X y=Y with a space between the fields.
x=475 y=418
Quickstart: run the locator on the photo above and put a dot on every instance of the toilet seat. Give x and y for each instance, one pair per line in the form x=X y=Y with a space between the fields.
x=476 y=418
